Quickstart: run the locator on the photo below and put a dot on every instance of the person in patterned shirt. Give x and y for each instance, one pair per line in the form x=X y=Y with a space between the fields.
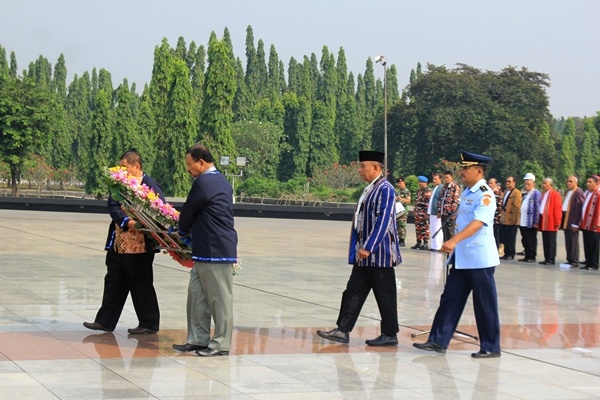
x=499 y=194
x=447 y=205
x=402 y=196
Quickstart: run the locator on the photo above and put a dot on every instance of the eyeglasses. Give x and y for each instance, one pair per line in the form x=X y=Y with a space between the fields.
x=569 y=181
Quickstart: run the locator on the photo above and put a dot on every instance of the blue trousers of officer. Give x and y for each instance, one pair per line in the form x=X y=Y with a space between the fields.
x=460 y=284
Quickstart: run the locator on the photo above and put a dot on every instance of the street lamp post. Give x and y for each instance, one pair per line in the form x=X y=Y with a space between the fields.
x=383 y=61
x=240 y=162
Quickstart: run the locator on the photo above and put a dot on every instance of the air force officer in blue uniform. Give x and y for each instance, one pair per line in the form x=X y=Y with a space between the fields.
x=474 y=258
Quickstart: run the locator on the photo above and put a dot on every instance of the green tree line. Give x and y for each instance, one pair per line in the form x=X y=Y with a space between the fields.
x=290 y=122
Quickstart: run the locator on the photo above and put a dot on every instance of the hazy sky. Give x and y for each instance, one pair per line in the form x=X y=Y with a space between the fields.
x=556 y=37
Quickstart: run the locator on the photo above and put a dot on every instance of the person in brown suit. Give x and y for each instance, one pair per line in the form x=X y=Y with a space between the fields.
x=571 y=215
x=510 y=218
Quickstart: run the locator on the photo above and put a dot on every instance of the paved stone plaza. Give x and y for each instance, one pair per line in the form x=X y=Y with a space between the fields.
x=293 y=274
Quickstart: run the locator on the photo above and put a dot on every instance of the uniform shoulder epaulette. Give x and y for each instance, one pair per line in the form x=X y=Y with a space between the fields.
x=483 y=188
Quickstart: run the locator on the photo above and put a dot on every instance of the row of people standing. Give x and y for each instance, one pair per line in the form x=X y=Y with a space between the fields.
x=434 y=210
x=530 y=211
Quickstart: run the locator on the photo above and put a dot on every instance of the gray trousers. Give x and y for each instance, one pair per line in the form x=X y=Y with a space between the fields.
x=210 y=294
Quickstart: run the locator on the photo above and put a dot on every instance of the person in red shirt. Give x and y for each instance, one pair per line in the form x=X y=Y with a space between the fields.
x=550 y=218
x=590 y=223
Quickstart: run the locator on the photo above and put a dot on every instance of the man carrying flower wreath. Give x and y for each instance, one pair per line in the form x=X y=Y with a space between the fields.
x=129 y=259
x=207 y=216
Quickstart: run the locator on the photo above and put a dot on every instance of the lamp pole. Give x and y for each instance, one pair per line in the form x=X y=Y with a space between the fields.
x=383 y=61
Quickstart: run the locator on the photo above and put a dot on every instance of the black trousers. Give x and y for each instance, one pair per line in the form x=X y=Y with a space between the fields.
x=508 y=236
x=129 y=273
x=497 y=235
x=591 y=248
x=529 y=238
x=362 y=280
x=448 y=227
x=572 y=245
x=549 y=243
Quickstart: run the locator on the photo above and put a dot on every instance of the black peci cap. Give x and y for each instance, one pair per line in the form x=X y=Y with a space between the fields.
x=376 y=156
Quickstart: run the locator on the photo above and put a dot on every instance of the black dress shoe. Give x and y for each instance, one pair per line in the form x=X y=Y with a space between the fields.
x=335 y=335
x=521 y=253
x=528 y=260
x=212 y=352
x=485 y=354
x=383 y=340
x=140 y=330
x=507 y=258
x=430 y=346
x=416 y=247
x=96 y=327
x=188 y=347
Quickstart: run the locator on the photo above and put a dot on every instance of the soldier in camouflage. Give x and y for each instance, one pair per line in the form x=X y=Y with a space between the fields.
x=402 y=196
x=421 y=216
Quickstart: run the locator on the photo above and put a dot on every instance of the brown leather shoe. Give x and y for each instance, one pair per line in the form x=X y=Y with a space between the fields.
x=140 y=330
x=96 y=327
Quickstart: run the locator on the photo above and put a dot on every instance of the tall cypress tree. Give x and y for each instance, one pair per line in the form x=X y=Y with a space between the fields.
x=100 y=143
x=180 y=132
x=125 y=133
x=197 y=76
x=363 y=117
x=219 y=92
x=146 y=125
x=242 y=105
x=294 y=75
x=61 y=156
x=296 y=145
x=275 y=85
x=13 y=64
x=349 y=136
x=587 y=160
x=393 y=94
x=190 y=58
x=322 y=142
x=181 y=49
x=252 y=77
x=4 y=70
x=566 y=157
x=261 y=70
x=79 y=114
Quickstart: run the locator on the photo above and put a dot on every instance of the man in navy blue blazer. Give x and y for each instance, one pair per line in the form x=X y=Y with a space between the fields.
x=207 y=216
x=374 y=252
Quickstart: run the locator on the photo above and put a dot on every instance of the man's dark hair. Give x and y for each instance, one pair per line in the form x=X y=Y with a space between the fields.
x=132 y=157
x=400 y=179
x=448 y=172
x=199 y=152
x=437 y=174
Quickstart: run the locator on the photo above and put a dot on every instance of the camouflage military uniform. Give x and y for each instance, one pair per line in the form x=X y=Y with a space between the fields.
x=402 y=217
x=421 y=216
